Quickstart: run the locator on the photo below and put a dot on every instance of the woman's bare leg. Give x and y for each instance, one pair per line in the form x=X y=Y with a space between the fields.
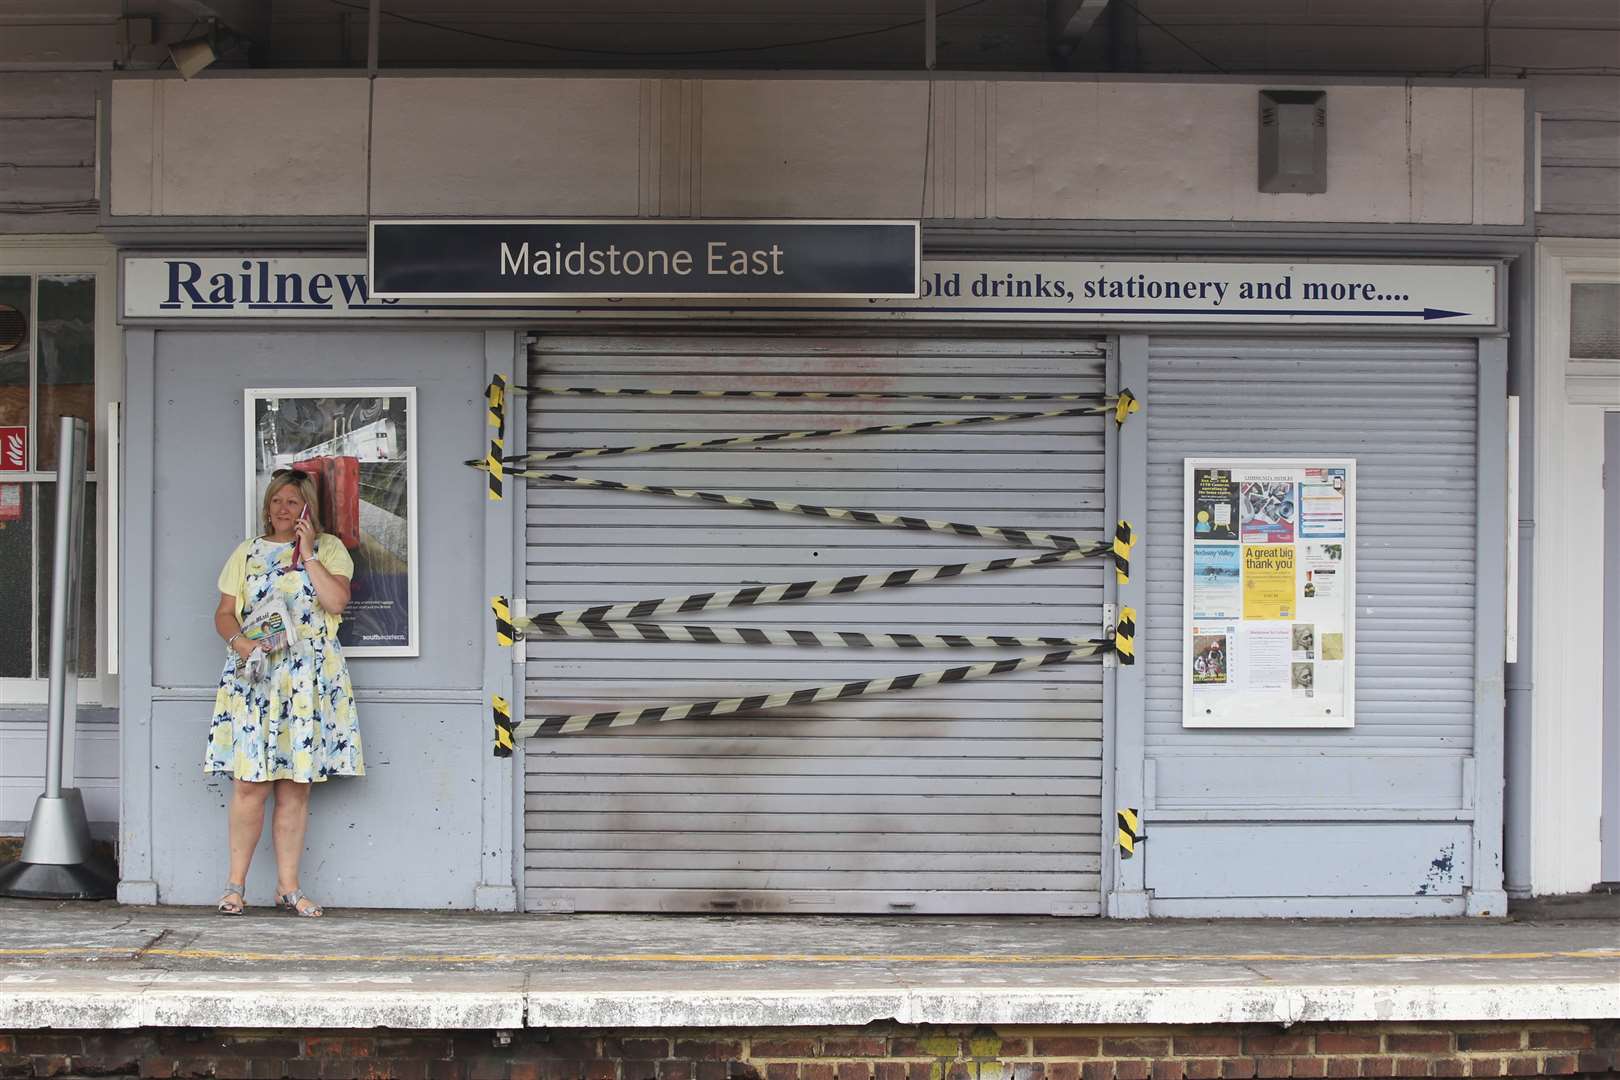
x=246 y=824
x=287 y=830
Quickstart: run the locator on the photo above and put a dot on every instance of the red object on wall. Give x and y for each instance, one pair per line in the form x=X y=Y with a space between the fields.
x=13 y=449
x=337 y=480
x=11 y=502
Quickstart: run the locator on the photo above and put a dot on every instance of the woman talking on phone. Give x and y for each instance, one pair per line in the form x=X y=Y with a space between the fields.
x=284 y=717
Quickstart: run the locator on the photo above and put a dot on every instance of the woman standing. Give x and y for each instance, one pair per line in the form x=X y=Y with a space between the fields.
x=288 y=720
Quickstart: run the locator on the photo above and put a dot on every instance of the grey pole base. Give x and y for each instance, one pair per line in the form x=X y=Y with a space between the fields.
x=58 y=861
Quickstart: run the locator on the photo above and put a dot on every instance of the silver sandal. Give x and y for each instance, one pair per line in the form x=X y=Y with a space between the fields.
x=238 y=890
x=289 y=902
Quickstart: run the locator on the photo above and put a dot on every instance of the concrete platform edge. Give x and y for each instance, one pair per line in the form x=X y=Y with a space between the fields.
x=358 y=1003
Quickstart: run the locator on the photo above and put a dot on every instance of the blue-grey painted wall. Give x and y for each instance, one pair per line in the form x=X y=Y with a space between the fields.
x=409 y=833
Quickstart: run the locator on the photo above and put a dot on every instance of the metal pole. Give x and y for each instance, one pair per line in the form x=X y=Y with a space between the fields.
x=64 y=654
x=58 y=860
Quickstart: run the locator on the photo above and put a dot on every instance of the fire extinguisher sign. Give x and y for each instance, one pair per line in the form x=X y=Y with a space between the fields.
x=13 y=449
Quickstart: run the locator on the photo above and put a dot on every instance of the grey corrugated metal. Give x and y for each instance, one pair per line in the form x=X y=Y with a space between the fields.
x=1406 y=411
x=978 y=797
x=1377 y=819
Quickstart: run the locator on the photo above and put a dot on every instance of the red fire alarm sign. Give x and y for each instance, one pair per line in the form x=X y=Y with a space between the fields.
x=13 y=449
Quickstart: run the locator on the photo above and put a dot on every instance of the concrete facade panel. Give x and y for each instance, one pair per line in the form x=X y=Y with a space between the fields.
x=1050 y=149
x=300 y=150
x=1498 y=157
x=537 y=147
x=133 y=136
x=1047 y=161
x=1442 y=155
x=790 y=148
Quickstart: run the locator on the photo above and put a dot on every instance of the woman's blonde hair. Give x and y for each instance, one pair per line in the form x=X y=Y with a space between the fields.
x=306 y=488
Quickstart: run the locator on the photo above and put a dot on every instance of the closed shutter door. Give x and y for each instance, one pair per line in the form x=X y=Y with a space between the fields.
x=973 y=797
x=1407 y=412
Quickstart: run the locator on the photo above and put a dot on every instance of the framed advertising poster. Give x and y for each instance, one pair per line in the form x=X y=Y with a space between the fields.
x=1268 y=593
x=359 y=445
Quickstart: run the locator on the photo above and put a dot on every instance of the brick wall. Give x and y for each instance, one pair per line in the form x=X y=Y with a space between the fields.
x=878 y=1052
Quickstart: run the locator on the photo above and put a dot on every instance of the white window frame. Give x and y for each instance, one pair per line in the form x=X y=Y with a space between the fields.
x=1566 y=716
x=53 y=254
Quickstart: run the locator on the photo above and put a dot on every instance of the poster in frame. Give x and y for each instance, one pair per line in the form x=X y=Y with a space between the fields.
x=1268 y=592
x=359 y=442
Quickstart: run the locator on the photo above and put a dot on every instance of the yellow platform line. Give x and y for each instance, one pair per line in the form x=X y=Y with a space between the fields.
x=804 y=958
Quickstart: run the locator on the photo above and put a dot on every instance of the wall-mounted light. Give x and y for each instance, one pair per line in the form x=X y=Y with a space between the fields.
x=192 y=55
x=1293 y=141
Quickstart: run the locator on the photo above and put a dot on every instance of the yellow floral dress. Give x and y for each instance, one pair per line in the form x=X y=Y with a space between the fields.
x=299 y=722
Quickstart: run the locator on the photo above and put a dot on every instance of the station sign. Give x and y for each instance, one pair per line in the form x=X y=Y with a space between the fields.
x=515 y=260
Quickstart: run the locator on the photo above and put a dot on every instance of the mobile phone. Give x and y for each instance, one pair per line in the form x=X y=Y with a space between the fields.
x=298 y=549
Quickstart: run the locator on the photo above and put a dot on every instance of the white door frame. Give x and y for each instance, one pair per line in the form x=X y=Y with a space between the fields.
x=1566 y=703
x=1609 y=870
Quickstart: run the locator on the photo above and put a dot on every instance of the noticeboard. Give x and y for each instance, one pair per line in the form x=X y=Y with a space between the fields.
x=1268 y=592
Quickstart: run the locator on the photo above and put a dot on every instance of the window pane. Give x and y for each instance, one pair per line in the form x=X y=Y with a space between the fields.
x=16 y=579
x=1594 y=322
x=67 y=359
x=15 y=362
x=45 y=510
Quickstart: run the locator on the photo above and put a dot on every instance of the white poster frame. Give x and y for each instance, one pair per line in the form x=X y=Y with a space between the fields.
x=1269 y=715
x=252 y=396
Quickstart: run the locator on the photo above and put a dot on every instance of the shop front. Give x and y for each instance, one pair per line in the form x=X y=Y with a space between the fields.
x=1281 y=483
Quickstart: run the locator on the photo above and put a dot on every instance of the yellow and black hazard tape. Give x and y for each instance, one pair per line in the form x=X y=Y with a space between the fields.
x=756 y=595
x=567 y=725
x=1124 y=541
x=1125 y=636
x=505 y=631
x=623 y=621
x=1022 y=537
x=1128 y=831
x=494 y=462
x=504 y=740
x=767 y=437
x=1124 y=405
x=807 y=395
x=1120 y=405
x=602 y=627
x=816 y=639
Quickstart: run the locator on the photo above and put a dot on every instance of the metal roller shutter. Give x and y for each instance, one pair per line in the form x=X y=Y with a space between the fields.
x=975 y=797
x=1407 y=411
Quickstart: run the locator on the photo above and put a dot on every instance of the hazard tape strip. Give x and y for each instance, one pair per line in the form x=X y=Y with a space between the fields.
x=494 y=462
x=617 y=620
x=1122 y=405
x=800 y=395
x=567 y=725
x=577 y=722
x=505 y=631
x=507 y=628
x=817 y=639
x=764 y=438
x=504 y=739
x=1125 y=636
x=1022 y=537
x=1128 y=831
x=1124 y=541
